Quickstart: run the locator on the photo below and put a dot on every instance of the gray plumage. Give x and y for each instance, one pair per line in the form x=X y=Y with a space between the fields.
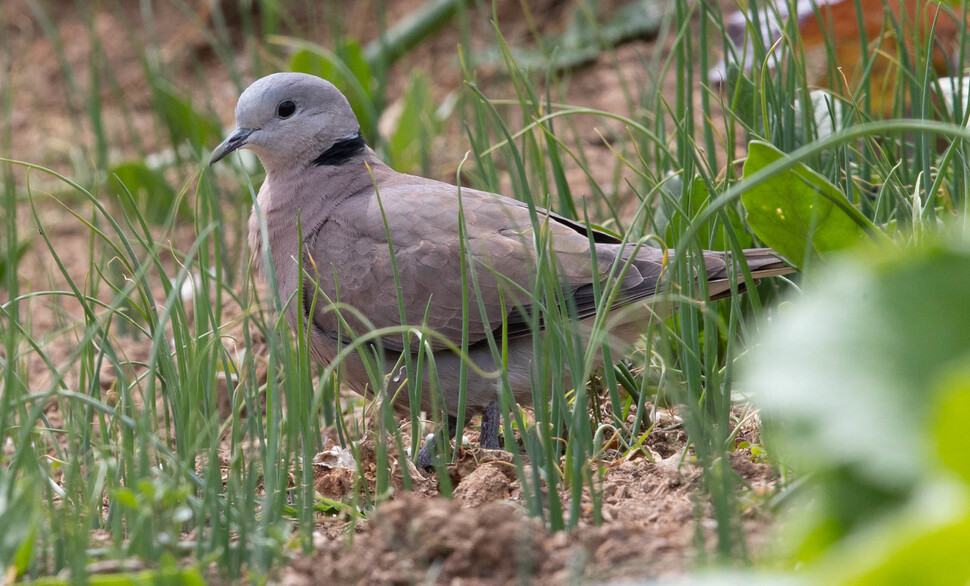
x=320 y=173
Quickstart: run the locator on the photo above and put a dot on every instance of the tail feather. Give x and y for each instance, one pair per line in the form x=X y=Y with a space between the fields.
x=761 y=262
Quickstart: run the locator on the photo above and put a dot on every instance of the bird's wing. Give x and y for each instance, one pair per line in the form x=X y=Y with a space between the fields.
x=350 y=258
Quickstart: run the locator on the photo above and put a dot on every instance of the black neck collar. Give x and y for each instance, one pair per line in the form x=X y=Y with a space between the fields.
x=341 y=151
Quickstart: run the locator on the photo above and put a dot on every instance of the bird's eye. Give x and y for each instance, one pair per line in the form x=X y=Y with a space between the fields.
x=285 y=109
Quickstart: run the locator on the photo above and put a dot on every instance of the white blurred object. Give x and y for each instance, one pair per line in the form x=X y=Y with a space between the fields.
x=427 y=439
x=336 y=457
x=771 y=22
x=189 y=286
x=955 y=88
x=827 y=113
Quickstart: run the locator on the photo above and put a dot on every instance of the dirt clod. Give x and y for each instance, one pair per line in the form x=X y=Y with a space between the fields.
x=469 y=461
x=414 y=540
x=487 y=483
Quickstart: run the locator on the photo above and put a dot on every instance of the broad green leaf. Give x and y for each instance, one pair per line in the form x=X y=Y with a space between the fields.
x=126 y=497
x=353 y=56
x=18 y=525
x=153 y=196
x=411 y=142
x=952 y=418
x=745 y=97
x=847 y=377
x=915 y=550
x=184 y=123
x=798 y=212
x=692 y=201
x=21 y=559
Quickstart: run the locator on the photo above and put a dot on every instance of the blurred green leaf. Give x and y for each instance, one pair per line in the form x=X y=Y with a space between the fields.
x=633 y=20
x=153 y=196
x=691 y=201
x=798 y=212
x=173 y=575
x=184 y=123
x=747 y=104
x=916 y=549
x=126 y=497
x=10 y=259
x=353 y=57
x=410 y=145
x=349 y=71
x=587 y=37
x=952 y=418
x=714 y=234
x=18 y=521
x=847 y=377
x=420 y=23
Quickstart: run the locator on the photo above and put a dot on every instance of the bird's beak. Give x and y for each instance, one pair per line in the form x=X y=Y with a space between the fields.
x=235 y=140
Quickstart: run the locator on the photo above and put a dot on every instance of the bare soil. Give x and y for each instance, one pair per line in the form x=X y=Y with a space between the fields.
x=484 y=535
x=652 y=510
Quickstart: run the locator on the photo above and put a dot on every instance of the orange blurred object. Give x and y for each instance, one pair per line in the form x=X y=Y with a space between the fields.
x=887 y=26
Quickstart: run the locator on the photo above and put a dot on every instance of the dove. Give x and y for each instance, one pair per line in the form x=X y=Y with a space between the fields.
x=334 y=214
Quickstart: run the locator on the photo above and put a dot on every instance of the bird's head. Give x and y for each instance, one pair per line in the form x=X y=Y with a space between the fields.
x=288 y=120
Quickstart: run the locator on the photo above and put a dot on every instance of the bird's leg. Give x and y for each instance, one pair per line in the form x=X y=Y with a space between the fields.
x=489 y=433
x=426 y=456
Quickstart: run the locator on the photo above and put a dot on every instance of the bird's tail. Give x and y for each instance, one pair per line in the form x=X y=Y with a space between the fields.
x=762 y=262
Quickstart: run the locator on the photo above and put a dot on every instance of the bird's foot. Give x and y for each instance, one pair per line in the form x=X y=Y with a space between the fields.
x=489 y=437
x=428 y=453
